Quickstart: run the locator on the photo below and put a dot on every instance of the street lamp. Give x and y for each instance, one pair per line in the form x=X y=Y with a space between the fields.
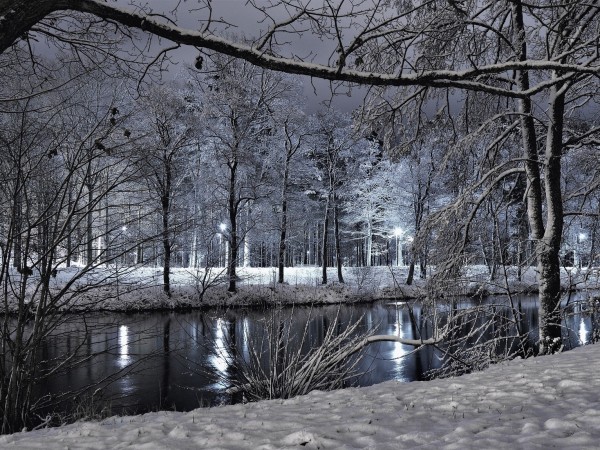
x=223 y=228
x=580 y=238
x=220 y=249
x=123 y=240
x=399 y=259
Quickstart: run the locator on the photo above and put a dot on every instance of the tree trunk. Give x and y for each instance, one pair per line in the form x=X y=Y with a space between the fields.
x=89 y=258
x=411 y=272
x=68 y=227
x=324 y=249
x=548 y=247
x=165 y=201
x=139 y=248
x=107 y=223
x=17 y=230
x=369 y=253
x=166 y=241
x=547 y=241
x=247 y=260
x=282 y=242
x=338 y=252
x=522 y=242
x=283 y=229
x=305 y=246
x=232 y=207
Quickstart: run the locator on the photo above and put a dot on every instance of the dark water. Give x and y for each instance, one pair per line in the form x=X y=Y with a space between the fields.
x=161 y=360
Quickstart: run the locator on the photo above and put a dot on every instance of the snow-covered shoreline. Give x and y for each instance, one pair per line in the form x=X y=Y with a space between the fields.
x=140 y=289
x=544 y=402
x=550 y=401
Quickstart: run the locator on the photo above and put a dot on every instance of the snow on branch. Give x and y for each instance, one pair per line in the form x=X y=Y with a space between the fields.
x=474 y=78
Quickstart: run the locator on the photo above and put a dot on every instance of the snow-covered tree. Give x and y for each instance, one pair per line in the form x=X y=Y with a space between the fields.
x=332 y=149
x=372 y=204
x=237 y=103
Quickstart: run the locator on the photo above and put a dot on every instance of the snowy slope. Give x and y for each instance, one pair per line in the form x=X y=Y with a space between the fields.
x=546 y=402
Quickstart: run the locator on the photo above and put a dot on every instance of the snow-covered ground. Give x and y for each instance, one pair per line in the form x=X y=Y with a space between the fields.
x=544 y=402
x=140 y=289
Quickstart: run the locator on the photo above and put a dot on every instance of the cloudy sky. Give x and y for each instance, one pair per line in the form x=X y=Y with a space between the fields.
x=245 y=21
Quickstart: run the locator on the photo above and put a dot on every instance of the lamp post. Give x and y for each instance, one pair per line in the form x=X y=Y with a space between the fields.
x=581 y=237
x=220 y=249
x=123 y=240
x=409 y=239
x=399 y=258
x=223 y=228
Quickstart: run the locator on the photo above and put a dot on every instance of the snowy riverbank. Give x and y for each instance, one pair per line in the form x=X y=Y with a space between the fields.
x=544 y=402
x=140 y=289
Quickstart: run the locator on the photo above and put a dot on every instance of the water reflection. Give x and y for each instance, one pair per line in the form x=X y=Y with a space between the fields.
x=583 y=331
x=398 y=350
x=182 y=360
x=124 y=358
x=218 y=359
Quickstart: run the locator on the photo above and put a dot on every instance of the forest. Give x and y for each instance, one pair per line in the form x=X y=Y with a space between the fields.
x=476 y=144
x=224 y=168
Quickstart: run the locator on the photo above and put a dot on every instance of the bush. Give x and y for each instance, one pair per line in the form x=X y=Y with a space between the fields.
x=282 y=364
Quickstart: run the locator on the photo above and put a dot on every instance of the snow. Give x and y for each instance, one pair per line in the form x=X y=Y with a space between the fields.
x=140 y=289
x=549 y=401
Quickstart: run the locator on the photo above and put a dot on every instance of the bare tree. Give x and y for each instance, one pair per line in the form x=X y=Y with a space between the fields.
x=47 y=157
x=236 y=110
x=163 y=156
x=294 y=137
x=331 y=150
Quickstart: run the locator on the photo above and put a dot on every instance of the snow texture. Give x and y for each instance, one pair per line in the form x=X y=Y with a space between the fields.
x=544 y=402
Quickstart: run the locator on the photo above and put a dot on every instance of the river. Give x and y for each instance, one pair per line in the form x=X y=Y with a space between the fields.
x=177 y=360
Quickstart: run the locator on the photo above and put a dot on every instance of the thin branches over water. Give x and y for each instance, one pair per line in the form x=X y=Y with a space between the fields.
x=282 y=363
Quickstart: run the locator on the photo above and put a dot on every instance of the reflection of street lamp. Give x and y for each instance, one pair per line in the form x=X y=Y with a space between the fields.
x=399 y=259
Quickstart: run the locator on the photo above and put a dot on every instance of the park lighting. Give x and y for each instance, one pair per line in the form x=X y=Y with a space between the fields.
x=223 y=244
x=399 y=258
x=581 y=237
